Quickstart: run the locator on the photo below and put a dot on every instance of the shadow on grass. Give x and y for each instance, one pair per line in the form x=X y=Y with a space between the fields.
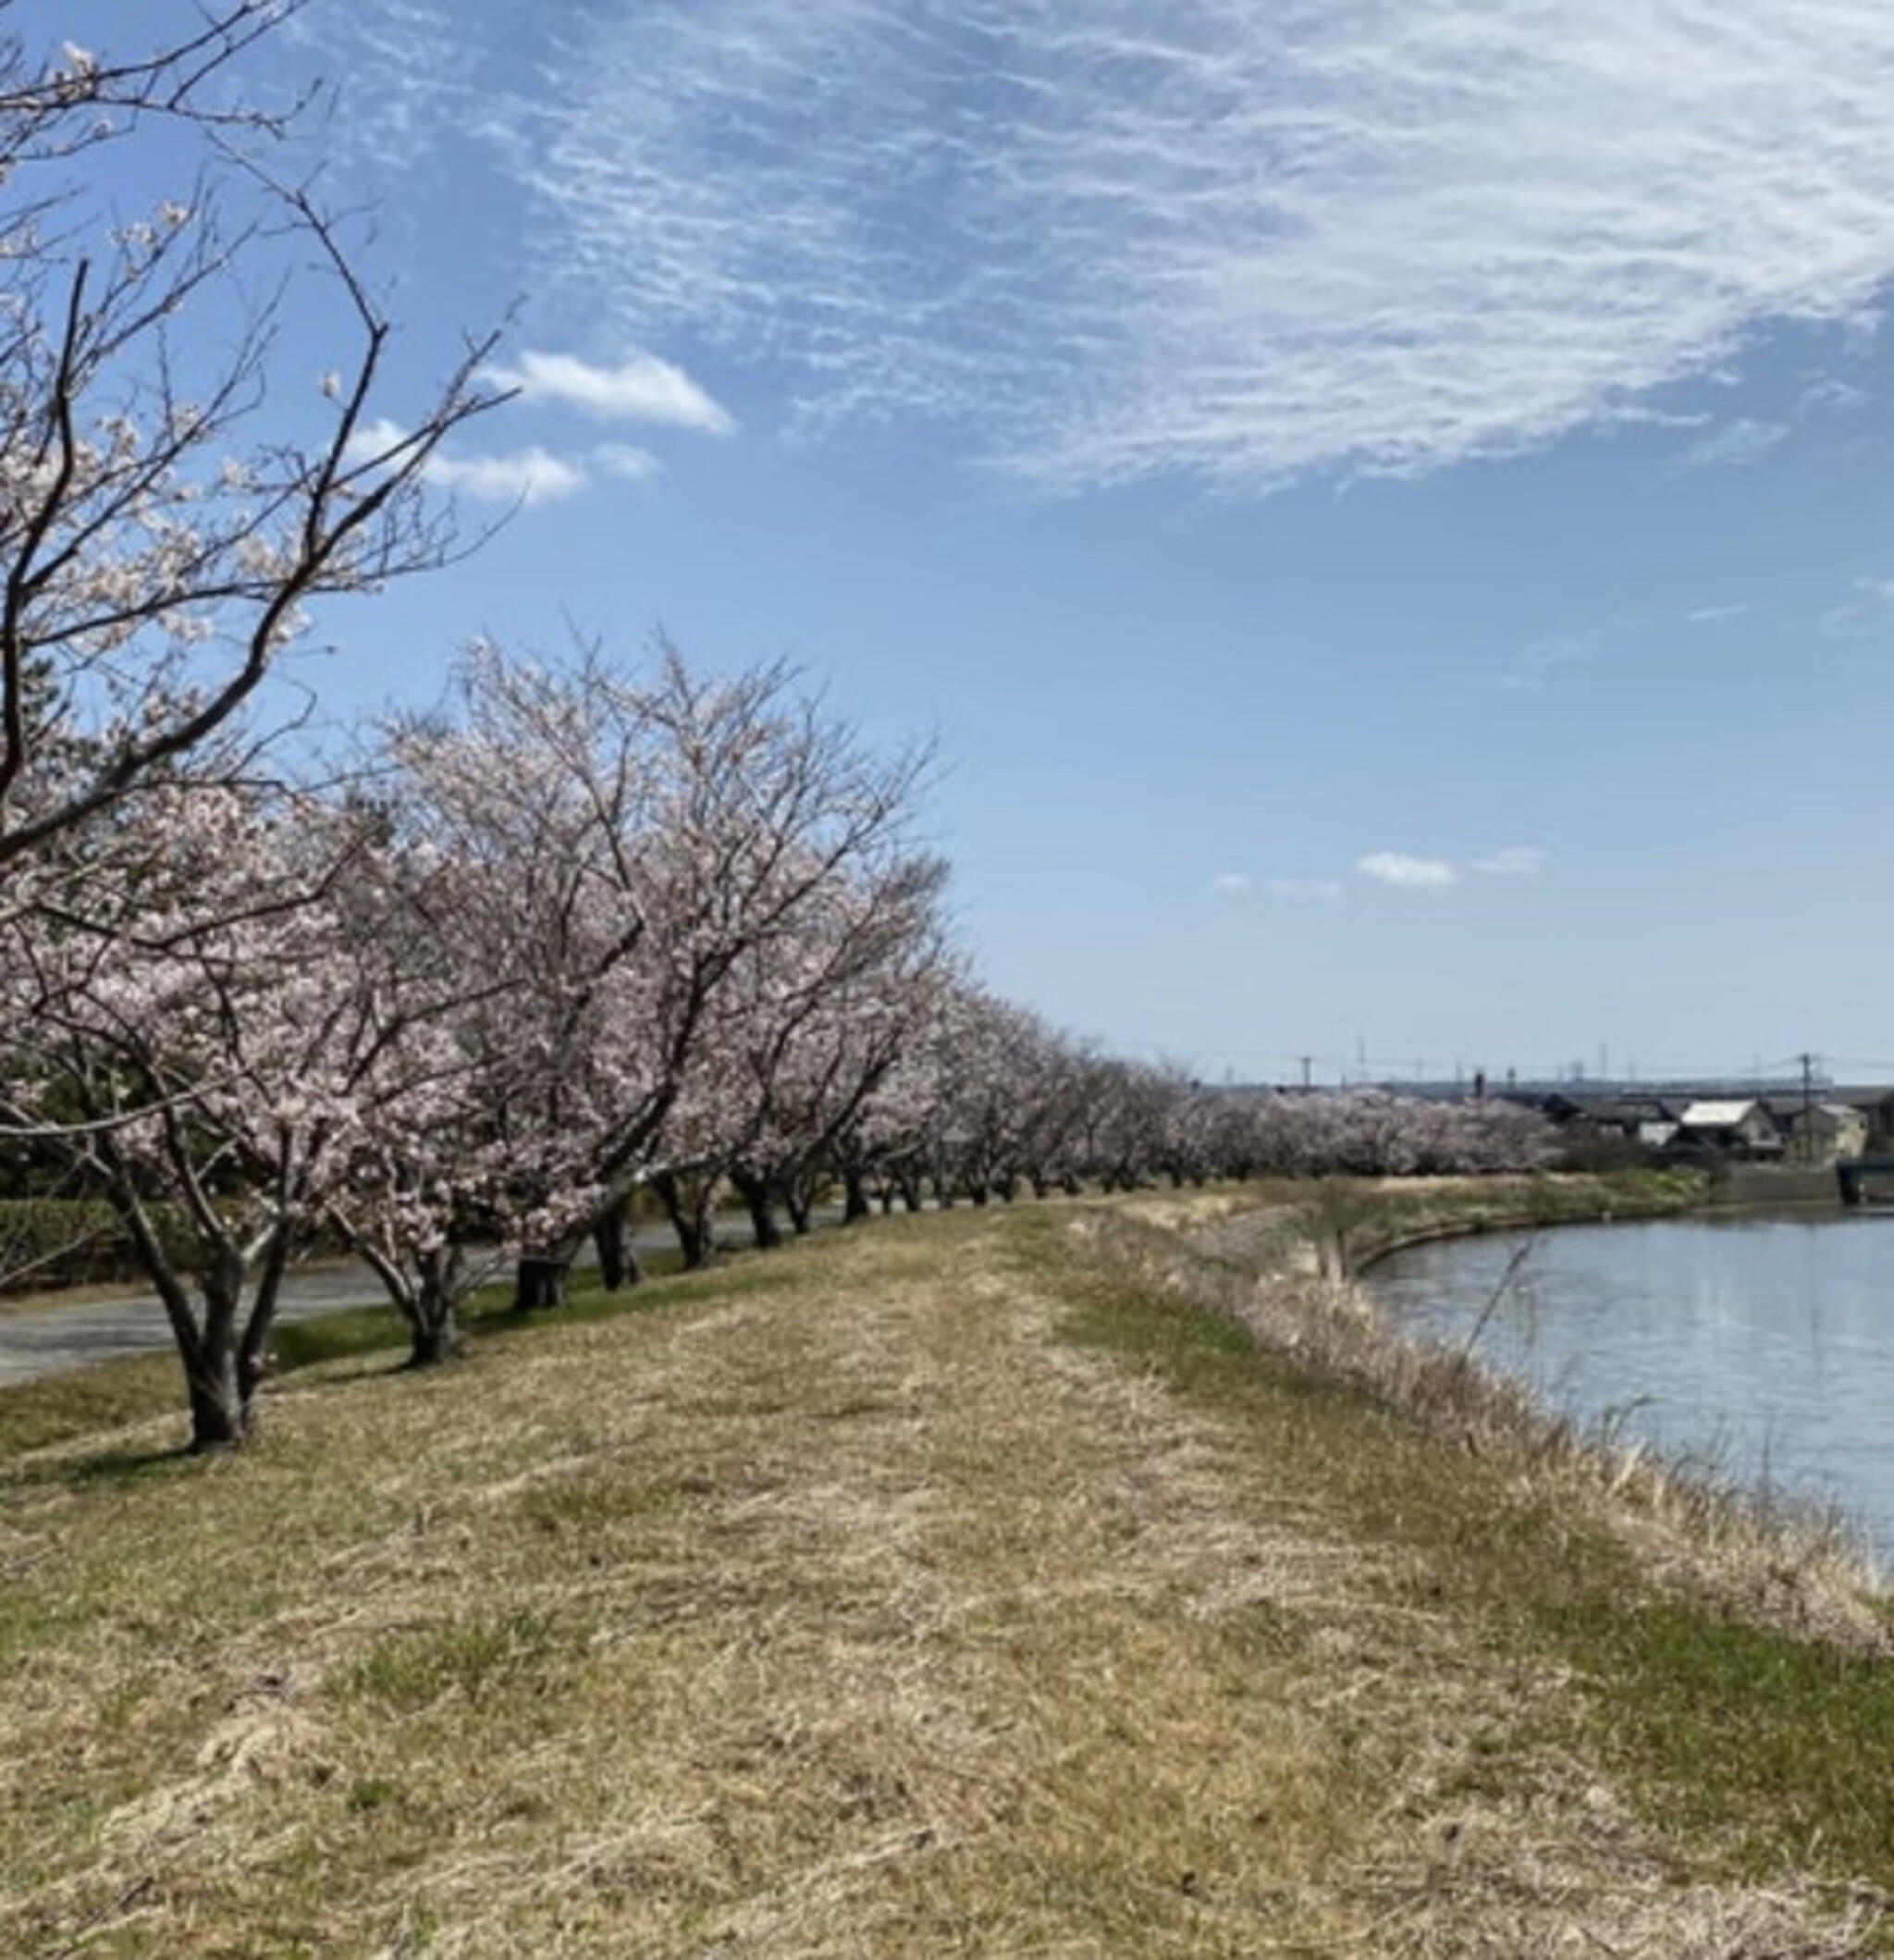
x=104 y=1468
x=351 y=1346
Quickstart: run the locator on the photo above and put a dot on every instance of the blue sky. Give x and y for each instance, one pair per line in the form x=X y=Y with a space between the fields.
x=1384 y=503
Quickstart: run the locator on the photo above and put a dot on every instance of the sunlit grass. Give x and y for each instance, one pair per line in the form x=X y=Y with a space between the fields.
x=1765 y=1736
x=953 y=1586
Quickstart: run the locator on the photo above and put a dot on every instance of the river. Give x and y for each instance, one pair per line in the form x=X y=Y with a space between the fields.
x=1761 y=1346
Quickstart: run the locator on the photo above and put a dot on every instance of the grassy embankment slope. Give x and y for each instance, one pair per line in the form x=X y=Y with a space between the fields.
x=956 y=1585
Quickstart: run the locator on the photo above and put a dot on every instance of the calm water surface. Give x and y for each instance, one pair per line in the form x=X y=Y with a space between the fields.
x=1765 y=1344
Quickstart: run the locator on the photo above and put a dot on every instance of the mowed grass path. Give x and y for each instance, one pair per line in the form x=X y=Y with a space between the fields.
x=927 y=1589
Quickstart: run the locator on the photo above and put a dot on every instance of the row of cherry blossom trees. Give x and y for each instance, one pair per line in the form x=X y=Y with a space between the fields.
x=586 y=930
x=989 y=1100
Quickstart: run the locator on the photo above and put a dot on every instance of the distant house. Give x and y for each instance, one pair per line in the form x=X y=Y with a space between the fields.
x=1743 y=1129
x=1873 y=1106
x=1628 y=1115
x=1844 y=1123
x=1829 y=1130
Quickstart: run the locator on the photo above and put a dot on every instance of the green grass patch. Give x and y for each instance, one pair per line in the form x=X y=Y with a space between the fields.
x=594 y=1500
x=466 y=1658
x=1733 y=1726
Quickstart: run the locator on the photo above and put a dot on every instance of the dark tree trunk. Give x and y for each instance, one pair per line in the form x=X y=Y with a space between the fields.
x=222 y=1354
x=1007 y=1187
x=886 y=1194
x=910 y=1193
x=434 y=1331
x=617 y=1259
x=799 y=1207
x=433 y=1337
x=687 y=1220
x=219 y=1409
x=539 y=1283
x=755 y=1193
x=855 y=1198
x=214 y=1363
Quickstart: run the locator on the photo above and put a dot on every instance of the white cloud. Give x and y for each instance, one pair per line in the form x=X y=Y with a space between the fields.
x=1718 y=615
x=1238 y=241
x=1396 y=867
x=643 y=388
x=623 y=459
x=1733 y=445
x=1867 y=611
x=1517 y=861
x=525 y=477
x=1322 y=890
x=1230 y=882
x=1544 y=658
x=1833 y=393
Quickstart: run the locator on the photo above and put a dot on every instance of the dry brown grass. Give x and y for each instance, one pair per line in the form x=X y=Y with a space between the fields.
x=837 y=1607
x=1793 y=1565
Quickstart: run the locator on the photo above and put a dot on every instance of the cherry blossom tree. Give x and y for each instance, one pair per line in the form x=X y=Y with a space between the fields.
x=183 y=1016
x=809 y=1025
x=795 y=882
x=535 y=785
x=161 y=539
x=649 y=844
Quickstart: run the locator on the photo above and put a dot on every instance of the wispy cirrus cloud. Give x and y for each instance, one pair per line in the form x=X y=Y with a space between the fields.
x=1415 y=874
x=1319 y=891
x=1237 y=242
x=640 y=389
x=1539 y=664
x=1518 y=860
x=1830 y=393
x=1733 y=444
x=1869 y=608
x=626 y=460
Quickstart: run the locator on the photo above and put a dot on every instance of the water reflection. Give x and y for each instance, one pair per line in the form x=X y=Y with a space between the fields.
x=1765 y=1344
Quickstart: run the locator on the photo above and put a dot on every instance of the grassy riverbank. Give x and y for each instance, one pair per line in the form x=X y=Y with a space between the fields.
x=974 y=1582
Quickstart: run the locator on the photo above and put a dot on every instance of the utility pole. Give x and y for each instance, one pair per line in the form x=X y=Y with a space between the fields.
x=1808 y=1108
x=1307 y=1061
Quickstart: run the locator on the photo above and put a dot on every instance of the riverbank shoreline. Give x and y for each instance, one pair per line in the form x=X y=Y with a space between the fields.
x=1396 y=1214
x=1289 y=1274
